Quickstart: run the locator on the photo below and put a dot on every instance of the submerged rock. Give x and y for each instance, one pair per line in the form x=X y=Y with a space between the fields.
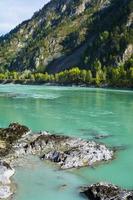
x=104 y=191
x=120 y=148
x=101 y=136
x=62 y=187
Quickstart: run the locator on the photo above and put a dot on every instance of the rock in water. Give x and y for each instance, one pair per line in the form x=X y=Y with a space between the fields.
x=67 y=152
x=104 y=191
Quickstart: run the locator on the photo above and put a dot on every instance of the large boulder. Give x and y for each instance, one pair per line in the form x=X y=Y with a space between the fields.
x=104 y=191
x=67 y=152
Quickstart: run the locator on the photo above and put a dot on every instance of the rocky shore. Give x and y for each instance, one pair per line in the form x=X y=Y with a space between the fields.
x=105 y=191
x=67 y=152
x=8 y=137
x=6 y=172
x=17 y=141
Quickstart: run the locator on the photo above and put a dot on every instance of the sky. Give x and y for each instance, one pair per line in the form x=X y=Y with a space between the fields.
x=13 y=12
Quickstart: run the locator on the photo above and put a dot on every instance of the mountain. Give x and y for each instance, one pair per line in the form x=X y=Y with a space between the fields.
x=68 y=33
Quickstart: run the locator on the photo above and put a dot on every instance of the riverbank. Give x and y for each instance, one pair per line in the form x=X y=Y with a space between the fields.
x=99 y=77
x=41 y=83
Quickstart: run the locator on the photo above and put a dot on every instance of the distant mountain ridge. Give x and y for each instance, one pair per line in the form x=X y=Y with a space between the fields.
x=66 y=33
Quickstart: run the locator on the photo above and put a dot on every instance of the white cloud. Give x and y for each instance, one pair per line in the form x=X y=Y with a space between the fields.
x=13 y=12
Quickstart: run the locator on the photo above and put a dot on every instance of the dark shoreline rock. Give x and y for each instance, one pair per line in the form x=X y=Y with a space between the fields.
x=10 y=135
x=105 y=191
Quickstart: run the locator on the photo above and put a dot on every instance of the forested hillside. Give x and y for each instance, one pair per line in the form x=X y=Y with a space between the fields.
x=69 y=33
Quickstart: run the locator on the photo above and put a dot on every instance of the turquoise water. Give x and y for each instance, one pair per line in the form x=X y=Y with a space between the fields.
x=80 y=112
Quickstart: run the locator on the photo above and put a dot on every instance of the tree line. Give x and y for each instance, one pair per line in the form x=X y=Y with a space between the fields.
x=121 y=76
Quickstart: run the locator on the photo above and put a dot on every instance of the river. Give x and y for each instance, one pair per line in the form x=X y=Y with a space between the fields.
x=80 y=112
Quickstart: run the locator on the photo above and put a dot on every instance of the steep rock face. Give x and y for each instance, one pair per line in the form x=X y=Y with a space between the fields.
x=128 y=53
x=65 y=33
x=113 y=43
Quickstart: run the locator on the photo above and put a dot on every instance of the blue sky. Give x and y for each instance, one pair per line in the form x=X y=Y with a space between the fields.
x=13 y=12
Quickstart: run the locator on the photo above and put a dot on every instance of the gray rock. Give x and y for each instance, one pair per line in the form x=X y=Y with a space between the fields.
x=67 y=152
x=6 y=172
x=104 y=191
